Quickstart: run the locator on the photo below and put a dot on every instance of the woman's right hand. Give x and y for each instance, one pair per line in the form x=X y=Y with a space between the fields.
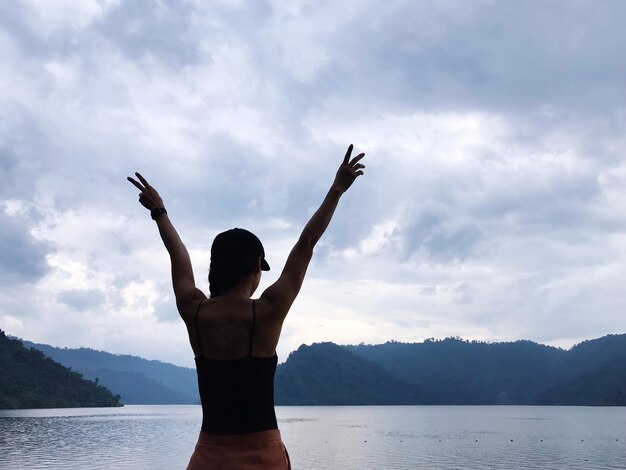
x=149 y=197
x=348 y=171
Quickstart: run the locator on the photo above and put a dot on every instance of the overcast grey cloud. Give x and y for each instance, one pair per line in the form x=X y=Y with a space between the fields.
x=22 y=257
x=492 y=206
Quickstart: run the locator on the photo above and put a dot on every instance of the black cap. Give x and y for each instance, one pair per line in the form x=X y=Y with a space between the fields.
x=238 y=242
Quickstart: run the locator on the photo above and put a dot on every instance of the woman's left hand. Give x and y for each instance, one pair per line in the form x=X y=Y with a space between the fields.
x=349 y=171
x=149 y=197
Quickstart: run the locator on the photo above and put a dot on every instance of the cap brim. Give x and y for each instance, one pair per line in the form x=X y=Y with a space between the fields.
x=264 y=265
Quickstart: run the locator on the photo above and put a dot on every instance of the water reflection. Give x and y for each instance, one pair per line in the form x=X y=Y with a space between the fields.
x=162 y=437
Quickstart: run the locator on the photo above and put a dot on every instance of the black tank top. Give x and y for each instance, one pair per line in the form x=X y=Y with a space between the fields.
x=237 y=395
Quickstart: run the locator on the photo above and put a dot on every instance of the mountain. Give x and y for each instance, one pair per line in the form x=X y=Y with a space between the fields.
x=449 y=371
x=521 y=372
x=471 y=373
x=136 y=388
x=28 y=379
x=328 y=374
x=136 y=380
x=596 y=375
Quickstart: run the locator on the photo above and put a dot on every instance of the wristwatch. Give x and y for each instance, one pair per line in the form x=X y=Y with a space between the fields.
x=157 y=211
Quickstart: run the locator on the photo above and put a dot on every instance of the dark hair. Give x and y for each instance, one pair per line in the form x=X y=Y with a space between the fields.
x=226 y=273
x=234 y=255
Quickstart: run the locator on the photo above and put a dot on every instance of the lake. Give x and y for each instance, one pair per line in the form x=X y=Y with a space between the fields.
x=326 y=437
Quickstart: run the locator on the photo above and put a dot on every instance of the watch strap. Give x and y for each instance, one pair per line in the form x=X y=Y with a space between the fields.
x=157 y=211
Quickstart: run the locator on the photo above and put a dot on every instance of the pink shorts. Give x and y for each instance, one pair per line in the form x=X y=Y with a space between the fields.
x=254 y=451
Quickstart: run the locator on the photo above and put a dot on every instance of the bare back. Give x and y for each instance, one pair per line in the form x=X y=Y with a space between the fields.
x=225 y=328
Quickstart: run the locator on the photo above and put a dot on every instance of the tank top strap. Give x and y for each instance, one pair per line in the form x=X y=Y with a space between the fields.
x=253 y=325
x=198 y=330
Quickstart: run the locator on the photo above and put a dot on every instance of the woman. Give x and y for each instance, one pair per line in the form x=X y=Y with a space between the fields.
x=233 y=337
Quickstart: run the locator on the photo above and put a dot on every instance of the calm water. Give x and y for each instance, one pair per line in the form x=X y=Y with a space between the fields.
x=367 y=437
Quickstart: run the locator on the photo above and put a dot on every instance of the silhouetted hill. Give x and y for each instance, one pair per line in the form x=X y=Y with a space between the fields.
x=136 y=380
x=596 y=375
x=521 y=372
x=327 y=374
x=135 y=388
x=449 y=371
x=589 y=354
x=471 y=373
x=28 y=379
x=605 y=385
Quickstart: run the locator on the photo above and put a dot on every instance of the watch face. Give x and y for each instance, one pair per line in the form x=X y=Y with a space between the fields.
x=154 y=213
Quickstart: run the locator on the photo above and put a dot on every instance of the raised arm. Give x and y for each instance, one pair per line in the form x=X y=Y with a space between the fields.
x=283 y=292
x=182 y=274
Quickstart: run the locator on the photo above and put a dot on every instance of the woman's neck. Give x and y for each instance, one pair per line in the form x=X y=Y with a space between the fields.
x=241 y=291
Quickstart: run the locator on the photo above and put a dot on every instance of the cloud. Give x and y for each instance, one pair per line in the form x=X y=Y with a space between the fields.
x=82 y=299
x=491 y=208
x=143 y=30
x=494 y=56
x=22 y=257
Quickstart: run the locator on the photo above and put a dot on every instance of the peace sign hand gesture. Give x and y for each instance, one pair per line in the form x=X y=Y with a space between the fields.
x=348 y=171
x=149 y=197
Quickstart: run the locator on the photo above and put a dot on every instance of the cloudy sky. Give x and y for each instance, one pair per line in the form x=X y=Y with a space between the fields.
x=493 y=205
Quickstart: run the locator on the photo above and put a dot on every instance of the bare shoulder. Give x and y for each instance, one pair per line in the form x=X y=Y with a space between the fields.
x=188 y=305
x=269 y=326
x=275 y=302
x=269 y=314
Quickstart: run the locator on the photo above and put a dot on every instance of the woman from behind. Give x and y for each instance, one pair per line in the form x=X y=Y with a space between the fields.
x=234 y=337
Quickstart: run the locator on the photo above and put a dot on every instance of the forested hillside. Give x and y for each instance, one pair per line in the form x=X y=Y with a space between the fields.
x=595 y=375
x=136 y=380
x=449 y=371
x=28 y=379
x=327 y=374
x=471 y=373
x=521 y=372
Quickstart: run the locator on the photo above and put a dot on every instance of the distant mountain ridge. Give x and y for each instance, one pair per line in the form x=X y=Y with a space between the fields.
x=449 y=371
x=136 y=380
x=325 y=373
x=521 y=372
x=28 y=379
x=471 y=373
